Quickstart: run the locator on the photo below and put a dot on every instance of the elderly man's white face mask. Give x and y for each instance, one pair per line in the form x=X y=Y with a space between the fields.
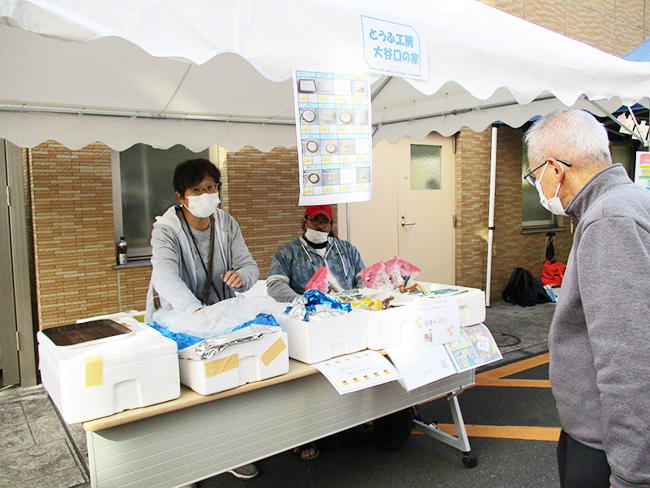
x=553 y=205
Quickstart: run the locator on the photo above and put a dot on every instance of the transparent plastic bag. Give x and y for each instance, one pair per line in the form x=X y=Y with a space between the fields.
x=218 y=319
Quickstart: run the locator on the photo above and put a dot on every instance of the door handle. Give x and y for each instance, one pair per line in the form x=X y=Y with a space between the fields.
x=404 y=223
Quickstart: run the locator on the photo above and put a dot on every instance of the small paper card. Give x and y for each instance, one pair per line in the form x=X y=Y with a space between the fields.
x=437 y=321
x=421 y=365
x=475 y=348
x=354 y=372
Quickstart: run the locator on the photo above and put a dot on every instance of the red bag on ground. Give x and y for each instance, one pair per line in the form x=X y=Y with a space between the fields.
x=553 y=272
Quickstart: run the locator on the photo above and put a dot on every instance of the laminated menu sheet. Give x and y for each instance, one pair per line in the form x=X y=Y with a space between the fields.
x=333 y=125
x=358 y=371
x=475 y=348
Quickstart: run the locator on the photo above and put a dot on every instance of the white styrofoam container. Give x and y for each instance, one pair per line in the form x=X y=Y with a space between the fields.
x=237 y=365
x=312 y=342
x=393 y=327
x=99 y=378
x=471 y=301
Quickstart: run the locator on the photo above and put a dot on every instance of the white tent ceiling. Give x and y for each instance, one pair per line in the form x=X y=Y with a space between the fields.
x=201 y=72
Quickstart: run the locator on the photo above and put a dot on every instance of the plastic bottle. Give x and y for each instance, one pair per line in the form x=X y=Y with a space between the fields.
x=121 y=251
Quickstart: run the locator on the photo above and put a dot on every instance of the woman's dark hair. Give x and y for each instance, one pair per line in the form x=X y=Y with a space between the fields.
x=191 y=172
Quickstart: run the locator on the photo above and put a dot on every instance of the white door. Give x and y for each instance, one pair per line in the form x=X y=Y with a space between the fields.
x=426 y=207
x=411 y=214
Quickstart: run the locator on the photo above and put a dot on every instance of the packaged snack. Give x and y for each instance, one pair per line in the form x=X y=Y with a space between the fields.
x=375 y=276
x=324 y=281
x=402 y=274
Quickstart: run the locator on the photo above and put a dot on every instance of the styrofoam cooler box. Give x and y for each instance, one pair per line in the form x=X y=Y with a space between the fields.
x=471 y=301
x=237 y=365
x=312 y=342
x=99 y=378
x=397 y=325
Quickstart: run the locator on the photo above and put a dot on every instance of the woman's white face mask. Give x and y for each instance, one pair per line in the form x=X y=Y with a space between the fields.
x=553 y=205
x=316 y=236
x=204 y=205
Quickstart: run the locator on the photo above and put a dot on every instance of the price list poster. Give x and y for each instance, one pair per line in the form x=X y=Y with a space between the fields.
x=334 y=130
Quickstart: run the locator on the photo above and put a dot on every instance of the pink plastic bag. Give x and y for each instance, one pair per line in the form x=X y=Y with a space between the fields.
x=375 y=276
x=402 y=273
x=324 y=281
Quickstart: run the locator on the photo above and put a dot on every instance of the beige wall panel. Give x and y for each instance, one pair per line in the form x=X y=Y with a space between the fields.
x=591 y=27
x=550 y=14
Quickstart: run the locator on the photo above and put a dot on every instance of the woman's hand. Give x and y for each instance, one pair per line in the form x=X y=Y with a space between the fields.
x=232 y=279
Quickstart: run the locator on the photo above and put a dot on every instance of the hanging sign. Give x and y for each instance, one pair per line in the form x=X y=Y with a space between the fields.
x=642 y=170
x=394 y=48
x=333 y=125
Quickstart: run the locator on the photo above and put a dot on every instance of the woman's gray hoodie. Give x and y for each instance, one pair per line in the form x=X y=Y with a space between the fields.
x=178 y=276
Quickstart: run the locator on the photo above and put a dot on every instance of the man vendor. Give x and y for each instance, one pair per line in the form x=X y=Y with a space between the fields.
x=295 y=263
x=293 y=266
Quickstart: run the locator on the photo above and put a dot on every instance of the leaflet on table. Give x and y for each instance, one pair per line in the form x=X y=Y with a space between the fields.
x=421 y=365
x=354 y=372
x=475 y=348
x=334 y=131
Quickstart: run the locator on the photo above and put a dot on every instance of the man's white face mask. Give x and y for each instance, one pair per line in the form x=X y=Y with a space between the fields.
x=316 y=236
x=553 y=205
x=204 y=205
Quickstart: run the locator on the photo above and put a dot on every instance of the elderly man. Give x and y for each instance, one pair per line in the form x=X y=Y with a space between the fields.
x=599 y=367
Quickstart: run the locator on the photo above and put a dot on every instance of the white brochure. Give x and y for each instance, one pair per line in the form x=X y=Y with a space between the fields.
x=421 y=365
x=354 y=372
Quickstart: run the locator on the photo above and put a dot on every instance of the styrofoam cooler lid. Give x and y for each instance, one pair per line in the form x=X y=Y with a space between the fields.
x=140 y=345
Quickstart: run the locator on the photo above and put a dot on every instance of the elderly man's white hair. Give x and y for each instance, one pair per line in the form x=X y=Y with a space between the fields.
x=573 y=135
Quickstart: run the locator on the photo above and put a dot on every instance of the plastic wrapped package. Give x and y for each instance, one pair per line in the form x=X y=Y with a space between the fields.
x=218 y=319
x=375 y=276
x=315 y=305
x=402 y=274
x=324 y=281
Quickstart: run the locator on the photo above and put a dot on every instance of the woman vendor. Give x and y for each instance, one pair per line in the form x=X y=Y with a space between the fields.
x=295 y=263
x=198 y=253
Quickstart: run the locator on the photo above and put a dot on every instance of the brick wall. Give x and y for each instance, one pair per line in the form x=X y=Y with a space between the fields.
x=510 y=248
x=72 y=217
x=613 y=26
x=261 y=191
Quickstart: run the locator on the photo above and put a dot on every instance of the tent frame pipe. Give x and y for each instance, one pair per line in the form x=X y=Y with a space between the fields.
x=636 y=134
x=141 y=115
x=493 y=183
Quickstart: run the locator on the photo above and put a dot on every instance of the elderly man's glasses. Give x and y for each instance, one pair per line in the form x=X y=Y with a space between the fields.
x=530 y=176
x=200 y=190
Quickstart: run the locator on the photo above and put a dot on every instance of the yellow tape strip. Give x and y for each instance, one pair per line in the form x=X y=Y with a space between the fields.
x=272 y=352
x=221 y=365
x=94 y=370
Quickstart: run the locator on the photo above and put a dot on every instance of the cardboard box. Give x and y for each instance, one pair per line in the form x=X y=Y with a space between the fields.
x=312 y=342
x=237 y=365
x=98 y=378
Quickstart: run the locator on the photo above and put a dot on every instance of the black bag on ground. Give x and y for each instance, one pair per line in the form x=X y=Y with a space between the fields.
x=520 y=289
x=392 y=431
x=540 y=293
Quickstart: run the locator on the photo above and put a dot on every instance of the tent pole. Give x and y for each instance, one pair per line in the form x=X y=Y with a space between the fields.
x=347 y=220
x=493 y=183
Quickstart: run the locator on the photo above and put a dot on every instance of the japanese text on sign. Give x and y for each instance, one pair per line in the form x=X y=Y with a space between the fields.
x=394 y=48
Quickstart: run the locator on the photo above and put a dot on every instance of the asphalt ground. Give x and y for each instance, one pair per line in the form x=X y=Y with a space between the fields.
x=512 y=426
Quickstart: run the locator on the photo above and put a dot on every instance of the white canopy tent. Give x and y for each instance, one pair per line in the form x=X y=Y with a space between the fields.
x=201 y=72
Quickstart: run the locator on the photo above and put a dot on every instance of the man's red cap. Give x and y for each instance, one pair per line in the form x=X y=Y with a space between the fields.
x=314 y=210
